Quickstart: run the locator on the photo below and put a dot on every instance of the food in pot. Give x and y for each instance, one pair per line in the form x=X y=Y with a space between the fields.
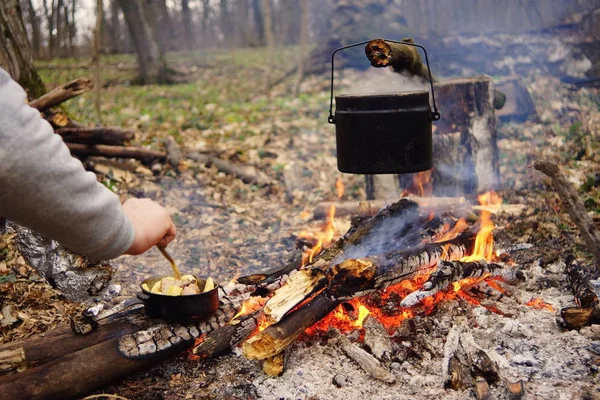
x=187 y=285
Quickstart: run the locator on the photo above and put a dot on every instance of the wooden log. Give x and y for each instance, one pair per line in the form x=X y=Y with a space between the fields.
x=73 y=375
x=516 y=390
x=448 y=272
x=139 y=153
x=100 y=135
x=588 y=310
x=352 y=278
x=274 y=339
x=465 y=150
x=247 y=173
x=372 y=207
x=62 y=93
x=574 y=206
x=54 y=345
x=227 y=337
x=400 y=57
x=366 y=361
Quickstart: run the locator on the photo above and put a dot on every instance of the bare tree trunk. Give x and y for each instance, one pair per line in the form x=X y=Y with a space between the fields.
x=304 y=25
x=50 y=18
x=225 y=21
x=97 y=44
x=34 y=22
x=151 y=63
x=268 y=17
x=73 y=28
x=164 y=26
x=205 y=18
x=258 y=22
x=187 y=24
x=115 y=28
x=15 y=53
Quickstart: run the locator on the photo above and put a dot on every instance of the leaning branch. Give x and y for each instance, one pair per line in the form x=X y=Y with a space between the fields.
x=62 y=93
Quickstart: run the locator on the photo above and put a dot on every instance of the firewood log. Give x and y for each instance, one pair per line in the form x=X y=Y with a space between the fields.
x=101 y=135
x=79 y=149
x=274 y=366
x=400 y=57
x=366 y=361
x=62 y=93
x=247 y=173
x=448 y=272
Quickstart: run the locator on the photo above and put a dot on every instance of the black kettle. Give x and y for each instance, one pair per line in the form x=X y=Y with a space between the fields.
x=384 y=133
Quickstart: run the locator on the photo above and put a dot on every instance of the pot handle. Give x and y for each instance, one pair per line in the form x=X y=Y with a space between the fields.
x=434 y=115
x=143 y=296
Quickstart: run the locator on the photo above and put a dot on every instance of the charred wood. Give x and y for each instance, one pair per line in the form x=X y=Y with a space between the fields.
x=400 y=57
x=574 y=205
x=139 y=153
x=516 y=390
x=448 y=272
x=227 y=337
x=101 y=135
x=62 y=93
x=588 y=311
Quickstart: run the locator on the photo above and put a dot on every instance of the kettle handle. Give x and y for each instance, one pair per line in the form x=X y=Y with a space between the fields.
x=434 y=115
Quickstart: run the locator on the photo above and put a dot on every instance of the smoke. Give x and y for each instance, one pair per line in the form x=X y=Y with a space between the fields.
x=393 y=233
x=385 y=80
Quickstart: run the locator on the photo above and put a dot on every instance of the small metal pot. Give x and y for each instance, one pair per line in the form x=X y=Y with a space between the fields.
x=383 y=133
x=180 y=308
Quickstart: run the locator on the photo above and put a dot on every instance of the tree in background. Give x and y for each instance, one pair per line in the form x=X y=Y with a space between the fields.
x=15 y=52
x=152 y=67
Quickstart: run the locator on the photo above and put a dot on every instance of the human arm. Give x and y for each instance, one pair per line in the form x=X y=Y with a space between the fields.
x=47 y=190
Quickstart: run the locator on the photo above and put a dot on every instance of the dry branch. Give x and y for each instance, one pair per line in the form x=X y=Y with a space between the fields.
x=575 y=207
x=116 y=151
x=62 y=93
x=101 y=135
x=247 y=173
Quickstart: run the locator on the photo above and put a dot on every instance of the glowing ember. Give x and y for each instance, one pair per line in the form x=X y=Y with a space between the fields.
x=484 y=242
x=540 y=304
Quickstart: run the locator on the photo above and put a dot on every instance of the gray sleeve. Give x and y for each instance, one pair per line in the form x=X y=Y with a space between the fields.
x=47 y=190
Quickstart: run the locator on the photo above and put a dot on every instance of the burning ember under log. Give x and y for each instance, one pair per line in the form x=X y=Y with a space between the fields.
x=449 y=272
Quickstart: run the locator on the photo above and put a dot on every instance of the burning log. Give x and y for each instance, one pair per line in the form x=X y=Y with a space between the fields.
x=62 y=93
x=574 y=205
x=400 y=57
x=448 y=272
x=274 y=339
x=352 y=278
x=366 y=361
x=588 y=311
x=139 y=153
x=101 y=135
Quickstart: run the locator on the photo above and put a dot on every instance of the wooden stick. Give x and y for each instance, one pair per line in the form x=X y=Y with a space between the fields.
x=100 y=135
x=366 y=361
x=575 y=207
x=247 y=173
x=62 y=93
x=116 y=151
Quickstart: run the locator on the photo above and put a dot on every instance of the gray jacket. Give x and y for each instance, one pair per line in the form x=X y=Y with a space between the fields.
x=47 y=190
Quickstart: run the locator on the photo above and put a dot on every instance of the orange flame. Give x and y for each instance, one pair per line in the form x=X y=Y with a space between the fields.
x=250 y=305
x=339 y=187
x=484 y=242
x=539 y=304
x=324 y=238
x=456 y=230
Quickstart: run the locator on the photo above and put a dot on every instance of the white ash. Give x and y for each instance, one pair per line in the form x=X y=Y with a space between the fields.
x=528 y=346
